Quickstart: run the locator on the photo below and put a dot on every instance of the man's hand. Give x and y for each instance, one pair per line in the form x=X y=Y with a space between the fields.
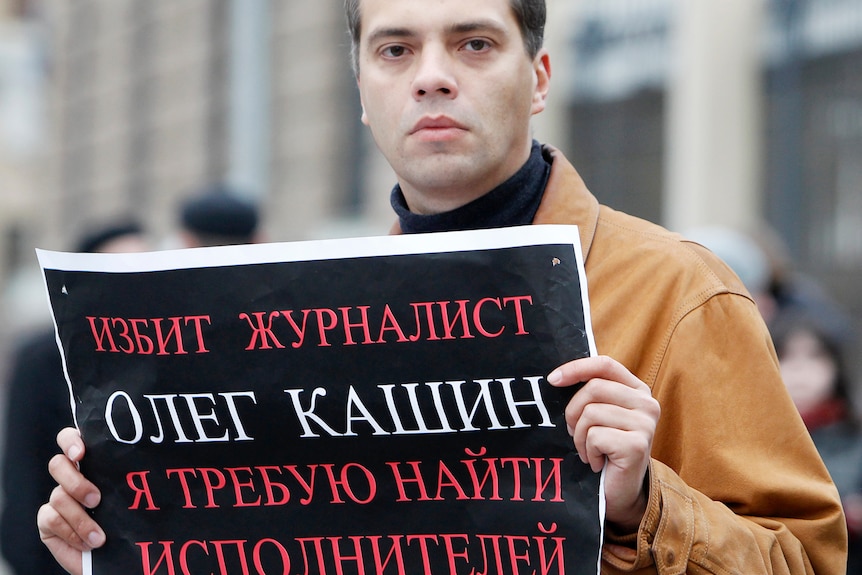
x=612 y=421
x=64 y=525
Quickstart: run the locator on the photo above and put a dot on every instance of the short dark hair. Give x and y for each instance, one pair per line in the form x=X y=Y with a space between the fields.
x=531 y=15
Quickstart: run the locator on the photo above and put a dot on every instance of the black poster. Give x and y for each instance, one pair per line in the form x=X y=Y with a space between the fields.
x=369 y=406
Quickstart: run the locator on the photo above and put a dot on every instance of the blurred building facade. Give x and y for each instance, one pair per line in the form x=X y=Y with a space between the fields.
x=686 y=113
x=741 y=113
x=152 y=100
x=22 y=127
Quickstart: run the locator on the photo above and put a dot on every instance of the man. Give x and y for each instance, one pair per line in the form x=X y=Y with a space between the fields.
x=728 y=480
x=218 y=216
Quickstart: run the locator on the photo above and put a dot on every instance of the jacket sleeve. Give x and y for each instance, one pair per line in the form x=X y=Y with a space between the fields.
x=735 y=483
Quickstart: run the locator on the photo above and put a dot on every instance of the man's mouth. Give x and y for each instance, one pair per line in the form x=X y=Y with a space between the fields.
x=437 y=128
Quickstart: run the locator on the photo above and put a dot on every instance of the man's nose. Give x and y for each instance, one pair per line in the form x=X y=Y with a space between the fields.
x=435 y=74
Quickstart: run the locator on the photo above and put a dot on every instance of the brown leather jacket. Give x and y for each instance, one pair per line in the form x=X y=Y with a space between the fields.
x=735 y=484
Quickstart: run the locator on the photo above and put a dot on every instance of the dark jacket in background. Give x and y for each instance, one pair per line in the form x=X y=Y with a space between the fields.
x=37 y=408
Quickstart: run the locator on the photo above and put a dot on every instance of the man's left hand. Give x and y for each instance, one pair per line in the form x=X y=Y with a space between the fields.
x=612 y=421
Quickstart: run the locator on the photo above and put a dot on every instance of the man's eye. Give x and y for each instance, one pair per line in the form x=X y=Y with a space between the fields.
x=477 y=45
x=394 y=51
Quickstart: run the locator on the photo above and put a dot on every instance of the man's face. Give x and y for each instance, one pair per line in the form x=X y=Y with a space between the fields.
x=808 y=369
x=448 y=90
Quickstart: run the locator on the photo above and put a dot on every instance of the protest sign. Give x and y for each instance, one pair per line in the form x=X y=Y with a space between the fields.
x=368 y=406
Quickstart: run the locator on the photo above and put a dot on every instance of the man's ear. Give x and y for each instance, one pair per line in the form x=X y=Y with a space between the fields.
x=364 y=117
x=542 y=74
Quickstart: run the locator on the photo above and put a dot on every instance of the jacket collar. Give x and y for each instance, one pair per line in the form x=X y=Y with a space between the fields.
x=566 y=201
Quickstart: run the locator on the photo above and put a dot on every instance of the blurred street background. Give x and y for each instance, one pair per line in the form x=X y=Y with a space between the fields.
x=740 y=114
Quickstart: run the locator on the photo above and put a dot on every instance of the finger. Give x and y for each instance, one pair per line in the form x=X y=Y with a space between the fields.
x=587 y=368
x=63 y=518
x=612 y=416
x=54 y=527
x=624 y=449
x=56 y=534
x=602 y=391
x=65 y=472
x=601 y=421
x=70 y=442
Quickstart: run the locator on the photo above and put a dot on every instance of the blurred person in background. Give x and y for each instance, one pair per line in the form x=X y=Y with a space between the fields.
x=218 y=216
x=813 y=369
x=37 y=407
x=789 y=288
x=761 y=261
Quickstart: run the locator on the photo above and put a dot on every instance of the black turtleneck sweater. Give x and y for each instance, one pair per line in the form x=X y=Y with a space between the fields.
x=512 y=203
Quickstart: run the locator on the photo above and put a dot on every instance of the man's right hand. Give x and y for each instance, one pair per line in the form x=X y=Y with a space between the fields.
x=64 y=524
